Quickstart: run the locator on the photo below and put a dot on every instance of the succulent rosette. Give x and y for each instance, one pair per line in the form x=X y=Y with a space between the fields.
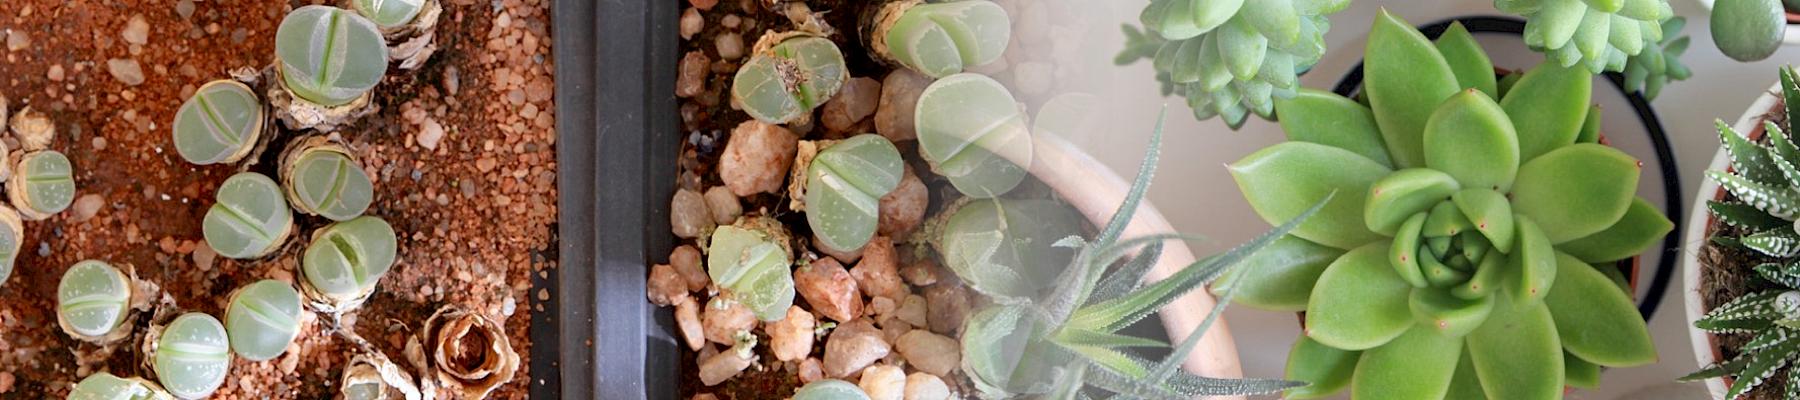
x=1596 y=34
x=1458 y=258
x=1232 y=58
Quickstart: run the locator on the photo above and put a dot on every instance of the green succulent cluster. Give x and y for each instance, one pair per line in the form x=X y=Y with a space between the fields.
x=1457 y=259
x=1231 y=58
x=1651 y=70
x=1596 y=34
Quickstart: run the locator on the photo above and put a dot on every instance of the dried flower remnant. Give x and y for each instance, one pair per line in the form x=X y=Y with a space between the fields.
x=462 y=351
x=372 y=376
x=788 y=76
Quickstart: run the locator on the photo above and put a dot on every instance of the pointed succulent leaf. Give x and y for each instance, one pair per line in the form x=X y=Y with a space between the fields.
x=788 y=76
x=263 y=319
x=1327 y=369
x=1075 y=337
x=329 y=55
x=1779 y=243
x=1741 y=314
x=1745 y=216
x=972 y=131
x=830 y=389
x=1534 y=264
x=1404 y=193
x=347 y=259
x=1470 y=138
x=1762 y=366
x=1003 y=247
x=327 y=181
x=1283 y=180
x=1140 y=185
x=1405 y=78
x=1194 y=385
x=1640 y=229
x=1780 y=202
x=1417 y=365
x=1130 y=276
x=845 y=183
x=1750 y=160
x=193 y=356
x=92 y=299
x=1003 y=333
x=1783 y=154
x=1580 y=373
x=1284 y=276
x=1718 y=369
x=1359 y=302
x=1329 y=119
x=1405 y=252
x=1595 y=320
x=1517 y=353
x=1466 y=58
x=219 y=124
x=941 y=39
x=1442 y=313
x=1576 y=191
x=1590 y=128
x=1490 y=212
x=1786 y=275
x=250 y=219
x=43 y=184
x=1548 y=106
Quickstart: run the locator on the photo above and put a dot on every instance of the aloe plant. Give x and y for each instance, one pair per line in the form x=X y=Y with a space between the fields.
x=250 y=219
x=324 y=178
x=1062 y=342
x=789 y=74
x=328 y=55
x=1596 y=34
x=42 y=185
x=1231 y=58
x=939 y=39
x=345 y=262
x=830 y=389
x=192 y=356
x=1457 y=255
x=221 y=123
x=750 y=261
x=105 y=386
x=1651 y=70
x=973 y=132
x=262 y=320
x=844 y=186
x=388 y=13
x=93 y=300
x=1766 y=181
x=1771 y=318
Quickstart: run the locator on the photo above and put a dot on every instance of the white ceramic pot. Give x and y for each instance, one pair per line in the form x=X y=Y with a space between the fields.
x=1790 y=37
x=1695 y=237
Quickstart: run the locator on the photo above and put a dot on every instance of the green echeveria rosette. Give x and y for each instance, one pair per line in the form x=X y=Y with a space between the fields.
x=1651 y=70
x=1232 y=58
x=1457 y=257
x=1596 y=34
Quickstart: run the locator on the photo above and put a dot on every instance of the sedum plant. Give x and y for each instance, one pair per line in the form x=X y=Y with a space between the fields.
x=844 y=186
x=42 y=185
x=939 y=39
x=345 y=261
x=250 y=219
x=328 y=55
x=750 y=262
x=830 y=389
x=1231 y=58
x=788 y=75
x=1651 y=70
x=12 y=238
x=1766 y=181
x=974 y=133
x=1060 y=344
x=1457 y=258
x=191 y=356
x=1596 y=34
x=105 y=386
x=221 y=123
x=262 y=320
x=323 y=178
x=388 y=13
x=93 y=300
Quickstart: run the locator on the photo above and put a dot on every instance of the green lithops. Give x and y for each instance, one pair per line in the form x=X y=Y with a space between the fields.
x=1232 y=58
x=1748 y=30
x=251 y=218
x=345 y=261
x=788 y=75
x=42 y=185
x=1004 y=247
x=105 y=386
x=940 y=39
x=323 y=178
x=93 y=301
x=388 y=13
x=973 y=132
x=1596 y=34
x=12 y=238
x=830 y=389
x=192 y=356
x=844 y=186
x=1649 y=71
x=751 y=262
x=328 y=55
x=221 y=123
x=263 y=319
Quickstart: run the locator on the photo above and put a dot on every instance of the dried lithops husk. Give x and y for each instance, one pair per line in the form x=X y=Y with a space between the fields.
x=143 y=295
x=301 y=114
x=33 y=129
x=372 y=376
x=796 y=190
x=411 y=43
x=349 y=194
x=462 y=351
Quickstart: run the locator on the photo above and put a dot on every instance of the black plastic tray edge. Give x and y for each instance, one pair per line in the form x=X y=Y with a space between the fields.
x=616 y=109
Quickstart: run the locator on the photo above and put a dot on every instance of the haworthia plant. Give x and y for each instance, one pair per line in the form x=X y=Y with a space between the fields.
x=844 y=186
x=192 y=356
x=250 y=219
x=42 y=185
x=221 y=123
x=1765 y=179
x=1067 y=341
x=347 y=259
x=263 y=319
x=789 y=75
x=389 y=13
x=1596 y=34
x=941 y=39
x=830 y=389
x=328 y=55
x=973 y=132
x=92 y=300
x=751 y=262
x=105 y=386
x=1649 y=71
x=326 y=180
x=1476 y=232
x=1231 y=58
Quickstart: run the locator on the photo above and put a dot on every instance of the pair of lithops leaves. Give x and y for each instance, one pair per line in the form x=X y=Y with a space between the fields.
x=1522 y=171
x=830 y=389
x=331 y=56
x=389 y=14
x=322 y=177
x=43 y=184
x=345 y=261
x=751 y=262
x=106 y=386
x=844 y=185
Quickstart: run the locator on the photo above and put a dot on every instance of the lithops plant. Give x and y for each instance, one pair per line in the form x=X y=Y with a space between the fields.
x=1232 y=58
x=106 y=386
x=344 y=262
x=1651 y=70
x=1598 y=35
x=94 y=300
x=408 y=25
x=1067 y=342
x=43 y=184
x=844 y=186
x=12 y=238
x=262 y=319
x=462 y=351
x=938 y=39
x=1004 y=247
x=750 y=262
x=221 y=123
x=191 y=355
x=388 y=13
x=1766 y=181
x=973 y=132
x=1463 y=240
x=322 y=177
x=250 y=219
x=329 y=56
x=830 y=389
x=788 y=75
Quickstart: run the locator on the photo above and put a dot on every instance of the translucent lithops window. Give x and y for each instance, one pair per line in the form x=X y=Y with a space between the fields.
x=220 y=123
x=348 y=258
x=105 y=386
x=192 y=356
x=92 y=298
x=389 y=13
x=785 y=82
x=972 y=132
x=844 y=187
x=263 y=319
x=945 y=38
x=250 y=219
x=754 y=269
x=830 y=389
x=330 y=55
x=330 y=184
x=46 y=181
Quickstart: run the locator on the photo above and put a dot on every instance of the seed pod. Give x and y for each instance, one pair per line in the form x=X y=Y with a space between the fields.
x=750 y=260
x=191 y=355
x=844 y=186
x=250 y=220
x=323 y=178
x=12 y=238
x=328 y=55
x=345 y=261
x=45 y=184
x=788 y=76
x=94 y=300
x=462 y=351
x=263 y=319
x=372 y=376
x=938 y=39
x=221 y=123
x=973 y=132
x=388 y=13
x=830 y=389
x=105 y=386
